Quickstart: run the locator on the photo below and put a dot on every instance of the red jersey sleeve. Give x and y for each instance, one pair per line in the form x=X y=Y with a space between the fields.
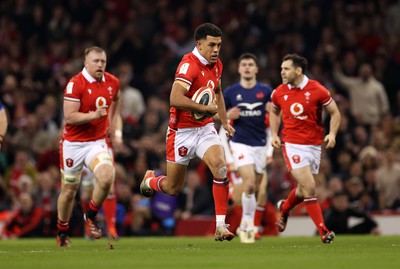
x=274 y=100
x=187 y=72
x=325 y=96
x=73 y=90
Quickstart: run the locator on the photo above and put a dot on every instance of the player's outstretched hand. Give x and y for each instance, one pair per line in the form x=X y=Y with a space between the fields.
x=276 y=142
x=230 y=131
x=331 y=141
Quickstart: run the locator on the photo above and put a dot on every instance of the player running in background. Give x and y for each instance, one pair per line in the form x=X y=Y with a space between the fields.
x=188 y=138
x=246 y=103
x=91 y=105
x=88 y=183
x=298 y=103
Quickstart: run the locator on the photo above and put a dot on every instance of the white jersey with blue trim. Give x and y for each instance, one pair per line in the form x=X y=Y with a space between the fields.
x=250 y=126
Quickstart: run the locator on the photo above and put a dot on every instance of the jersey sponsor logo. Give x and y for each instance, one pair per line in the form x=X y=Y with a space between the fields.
x=70 y=87
x=184 y=68
x=69 y=162
x=250 y=112
x=183 y=151
x=239 y=97
x=296 y=158
x=296 y=109
x=250 y=106
x=101 y=102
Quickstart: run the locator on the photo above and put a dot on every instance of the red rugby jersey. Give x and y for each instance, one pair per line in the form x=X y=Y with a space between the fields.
x=302 y=111
x=90 y=94
x=194 y=70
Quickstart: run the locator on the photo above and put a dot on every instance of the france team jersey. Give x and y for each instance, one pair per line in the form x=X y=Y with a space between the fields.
x=250 y=126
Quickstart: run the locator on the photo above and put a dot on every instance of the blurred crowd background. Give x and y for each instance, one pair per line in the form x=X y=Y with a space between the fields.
x=353 y=48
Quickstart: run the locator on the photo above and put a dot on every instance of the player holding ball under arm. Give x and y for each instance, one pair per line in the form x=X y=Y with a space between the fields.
x=187 y=137
x=299 y=101
x=91 y=105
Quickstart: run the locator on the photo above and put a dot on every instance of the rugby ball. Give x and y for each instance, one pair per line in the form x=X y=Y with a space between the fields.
x=203 y=96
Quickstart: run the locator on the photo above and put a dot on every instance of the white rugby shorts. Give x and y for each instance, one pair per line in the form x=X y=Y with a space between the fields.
x=244 y=155
x=184 y=144
x=74 y=155
x=298 y=156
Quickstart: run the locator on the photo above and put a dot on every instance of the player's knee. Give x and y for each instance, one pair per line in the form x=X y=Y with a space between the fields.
x=222 y=171
x=71 y=178
x=70 y=186
x=250 y=188
x=105 y=177
x=103 y=169
x=308 y=188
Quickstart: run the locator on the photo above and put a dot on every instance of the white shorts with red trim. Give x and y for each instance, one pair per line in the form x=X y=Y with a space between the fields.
x=298 y=156
x=76 y=154
x=244 y=155
x=184 y=144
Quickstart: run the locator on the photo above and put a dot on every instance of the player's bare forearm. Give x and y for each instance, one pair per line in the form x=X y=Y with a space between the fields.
x=115 y=115
x=335 y=118
x=73 y=116
x=274 y=121
x=179 y=100
x=333 y=126
x=221 y=107
x=78 y=118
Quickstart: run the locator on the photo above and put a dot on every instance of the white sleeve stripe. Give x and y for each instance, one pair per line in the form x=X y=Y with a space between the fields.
x=72 y=99
x=184 y=80
x=328 y=102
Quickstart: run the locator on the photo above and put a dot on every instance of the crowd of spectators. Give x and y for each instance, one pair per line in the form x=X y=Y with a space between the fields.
x=353 y=48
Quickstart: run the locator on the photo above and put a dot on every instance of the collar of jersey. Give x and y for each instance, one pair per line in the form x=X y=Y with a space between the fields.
x=301 y=85
x=89 y=78
x=201 y=58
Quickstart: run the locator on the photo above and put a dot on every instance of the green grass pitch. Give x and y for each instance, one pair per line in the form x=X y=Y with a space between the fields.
x=203 y=252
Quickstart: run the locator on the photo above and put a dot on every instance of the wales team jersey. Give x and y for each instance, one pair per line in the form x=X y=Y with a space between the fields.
x=302 y=111
x=250 y=126
x=197 y=72
x=91 y=94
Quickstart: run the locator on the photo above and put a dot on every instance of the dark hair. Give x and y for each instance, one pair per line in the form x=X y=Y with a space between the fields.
x=206 y=29
x=94 y=48
x=298 y=61
x=248 y=55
